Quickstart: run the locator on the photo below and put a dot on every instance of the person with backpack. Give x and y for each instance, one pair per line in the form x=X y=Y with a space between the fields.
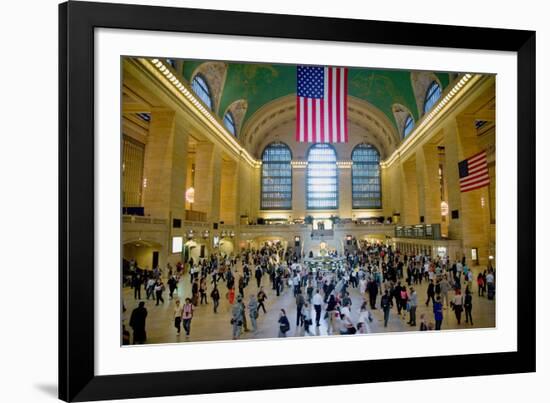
x=284 y=324
x=253 y=312
x=468 y=306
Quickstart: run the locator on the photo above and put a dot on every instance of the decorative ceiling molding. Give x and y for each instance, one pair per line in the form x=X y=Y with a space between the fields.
x=238 y=110
x=367 y=123
x=215 y=74
x=401 y=112
x=420 y=81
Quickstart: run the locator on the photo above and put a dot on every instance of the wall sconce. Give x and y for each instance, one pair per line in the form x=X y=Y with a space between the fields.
x=205 y=234
x=190 y=234
x=232 y=234
x=223 y=234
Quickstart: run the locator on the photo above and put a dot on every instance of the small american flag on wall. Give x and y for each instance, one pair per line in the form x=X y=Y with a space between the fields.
x=473 y=172
x=322 y=104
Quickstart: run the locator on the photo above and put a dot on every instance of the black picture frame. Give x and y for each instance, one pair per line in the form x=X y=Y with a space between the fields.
x=77 y=21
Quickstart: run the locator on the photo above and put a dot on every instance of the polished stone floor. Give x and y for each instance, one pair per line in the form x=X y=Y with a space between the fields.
x=208 y=326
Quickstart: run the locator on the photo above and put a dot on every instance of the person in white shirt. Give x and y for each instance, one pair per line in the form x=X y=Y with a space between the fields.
x=317 y=302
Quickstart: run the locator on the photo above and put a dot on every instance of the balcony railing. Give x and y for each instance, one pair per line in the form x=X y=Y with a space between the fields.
x=192 y=215
x=143 y=220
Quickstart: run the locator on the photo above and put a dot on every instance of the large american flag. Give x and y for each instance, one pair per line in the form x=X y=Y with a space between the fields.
x=322 y=104
x=473 y=172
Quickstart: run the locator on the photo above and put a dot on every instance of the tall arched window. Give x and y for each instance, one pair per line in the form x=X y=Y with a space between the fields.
x=432 y=96
x=322 y=178
x=365 y=177
x=408 y=126
x=276 y=177
x=229 y=123
x=202 y=90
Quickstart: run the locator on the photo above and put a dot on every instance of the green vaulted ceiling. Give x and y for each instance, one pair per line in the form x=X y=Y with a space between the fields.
x=260 y=84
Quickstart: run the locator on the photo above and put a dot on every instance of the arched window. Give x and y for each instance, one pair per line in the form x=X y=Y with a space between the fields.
x=229 y=123
x=432 y=95
x=408 y=126
x=322 y=178
x=276 y=177
x=365 y=177
x=202 y=90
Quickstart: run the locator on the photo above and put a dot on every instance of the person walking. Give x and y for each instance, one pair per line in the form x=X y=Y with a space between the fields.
x=136 y=285
x=300 y=301
x=331 y=313
x=195 y=292
x=445 y=288
x=215 y=295
x=187 y=315
x=317 y=302
x=172 y=285
x=430 y=293
x=262 y=296
x=202 y=290
x=306 y=313
x=468 y=306
x=258 y=274
x=413 y=302
x=178 y=312
x=284 y=324
x=480 y=285
x=458 y=305
x=159 y=289
x=404 y=298
x=237 y=315
x=137 y=323
x=253 y=312
x=386 y=305
x=438 y=313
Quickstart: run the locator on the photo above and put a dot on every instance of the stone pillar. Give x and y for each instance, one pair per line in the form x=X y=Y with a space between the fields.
x=207 y=180
x=409 y=193
x=429 y=193
x=471 y=226
x=165 y=166
x=344 y=192
x=299 y=191
x=228 y=192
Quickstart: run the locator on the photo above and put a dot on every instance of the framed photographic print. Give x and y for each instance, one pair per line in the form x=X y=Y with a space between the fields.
x=248 y=198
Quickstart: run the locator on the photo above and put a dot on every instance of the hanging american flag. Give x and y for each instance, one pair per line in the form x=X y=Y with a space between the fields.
x=473 y=172
x=322 y=104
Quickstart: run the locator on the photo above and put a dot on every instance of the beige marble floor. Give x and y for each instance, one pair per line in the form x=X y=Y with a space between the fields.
x=207 y=326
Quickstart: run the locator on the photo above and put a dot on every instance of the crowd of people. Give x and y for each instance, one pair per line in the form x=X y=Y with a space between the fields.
x=386 y=280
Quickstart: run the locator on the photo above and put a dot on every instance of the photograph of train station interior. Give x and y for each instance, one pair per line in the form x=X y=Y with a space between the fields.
x=268 y=200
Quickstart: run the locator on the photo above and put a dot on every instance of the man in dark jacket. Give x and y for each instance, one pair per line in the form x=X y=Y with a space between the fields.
x=137 y=323
x=431 y=293
x=258 y=274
